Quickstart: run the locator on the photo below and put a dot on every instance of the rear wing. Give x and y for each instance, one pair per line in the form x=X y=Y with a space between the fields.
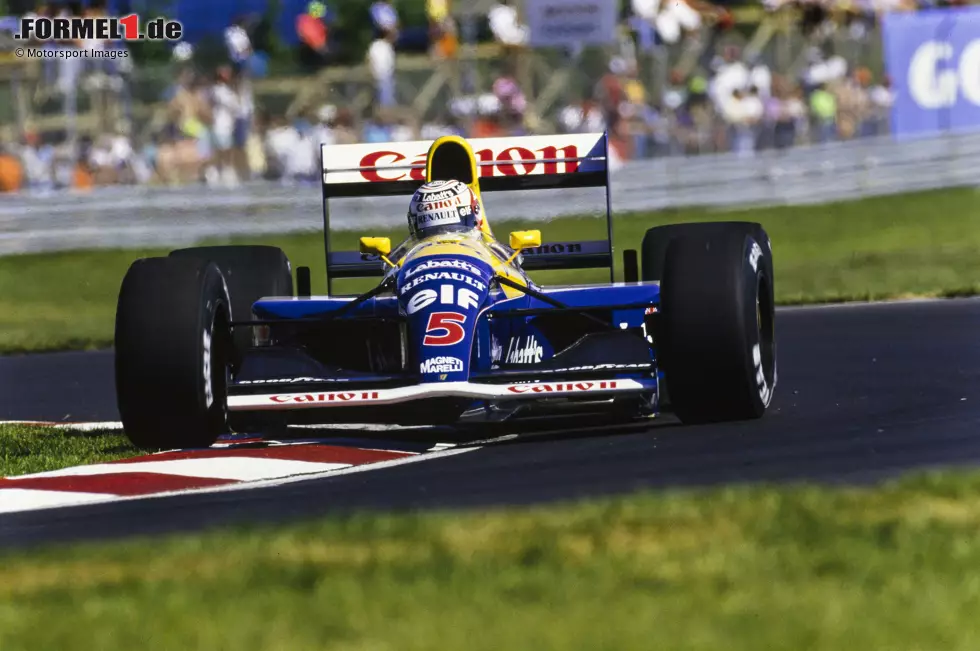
x=486 y=165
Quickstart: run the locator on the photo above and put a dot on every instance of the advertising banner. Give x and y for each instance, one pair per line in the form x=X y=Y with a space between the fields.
x=933 y=59
x=567 y=23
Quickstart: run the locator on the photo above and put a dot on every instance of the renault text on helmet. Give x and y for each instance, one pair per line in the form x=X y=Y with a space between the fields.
x=442 y=206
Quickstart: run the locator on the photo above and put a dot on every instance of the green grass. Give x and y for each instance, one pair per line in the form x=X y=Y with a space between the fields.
x=27 y=449
x=793 y=568
x=925 y=244
x=737 y=568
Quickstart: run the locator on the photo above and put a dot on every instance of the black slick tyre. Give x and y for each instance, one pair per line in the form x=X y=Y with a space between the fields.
x=656 y=240
x=251 y=273
x=172 y=345
x=715 y=330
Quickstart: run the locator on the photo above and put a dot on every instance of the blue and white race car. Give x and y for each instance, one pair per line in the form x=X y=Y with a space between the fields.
x=455 y=331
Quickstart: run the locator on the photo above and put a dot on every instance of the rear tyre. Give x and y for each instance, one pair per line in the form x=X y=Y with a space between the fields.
x=173 y=344
x=716 y=324
x=251 y=272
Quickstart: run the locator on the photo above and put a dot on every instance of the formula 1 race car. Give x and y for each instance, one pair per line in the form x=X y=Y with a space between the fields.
x=455 y=331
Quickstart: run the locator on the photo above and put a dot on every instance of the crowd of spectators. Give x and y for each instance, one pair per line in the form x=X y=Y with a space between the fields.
x=214 y=133
x=735 y=106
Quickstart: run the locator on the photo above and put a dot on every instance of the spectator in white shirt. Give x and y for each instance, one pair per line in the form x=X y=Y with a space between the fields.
x=506 y=26
x=671 y=18
x=584 y=117
x=730 y=75
x=760 y=76
x=743 y=112
x=244 y=118
x=285 y=151
x=882 y=100
x=381 y=53
x=323 y=130
x=381 y=61
x=37 y=161
x=225 y=108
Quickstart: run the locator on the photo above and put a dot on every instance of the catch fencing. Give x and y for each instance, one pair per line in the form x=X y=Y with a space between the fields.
x=161 y=217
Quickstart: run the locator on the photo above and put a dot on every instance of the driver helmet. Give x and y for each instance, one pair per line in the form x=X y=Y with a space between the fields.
x=444 y=207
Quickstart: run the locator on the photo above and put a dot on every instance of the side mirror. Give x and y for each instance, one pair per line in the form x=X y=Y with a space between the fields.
x=377 y=245
x=520 y=240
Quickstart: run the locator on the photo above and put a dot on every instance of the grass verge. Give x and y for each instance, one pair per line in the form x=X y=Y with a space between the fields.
x=27 y=449
x=738 y=569
x=925 y=244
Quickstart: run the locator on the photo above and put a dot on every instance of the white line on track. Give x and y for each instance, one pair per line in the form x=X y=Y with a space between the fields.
x=116 y=425
x=31 y=499
x=81 y=427
x=231 y=468
x=892 y=302
x=366 y=427
x=256 y=485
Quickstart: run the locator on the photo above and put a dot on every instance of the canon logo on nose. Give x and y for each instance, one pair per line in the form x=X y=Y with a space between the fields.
x=936 y=77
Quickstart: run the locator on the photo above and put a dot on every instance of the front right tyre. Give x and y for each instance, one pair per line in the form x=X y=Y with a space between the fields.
x=250 y=273
x=716 y=331
x=173 y=345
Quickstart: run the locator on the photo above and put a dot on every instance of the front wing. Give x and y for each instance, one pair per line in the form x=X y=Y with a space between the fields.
x=466 y=390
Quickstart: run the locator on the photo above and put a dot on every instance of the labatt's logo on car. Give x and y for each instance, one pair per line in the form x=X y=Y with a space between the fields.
x=524 y=350
x=441 y=296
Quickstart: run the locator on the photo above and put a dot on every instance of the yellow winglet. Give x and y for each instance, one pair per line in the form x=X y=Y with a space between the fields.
x=520 y=240
x=525 y=239
x=451 y=158
x=381 y=246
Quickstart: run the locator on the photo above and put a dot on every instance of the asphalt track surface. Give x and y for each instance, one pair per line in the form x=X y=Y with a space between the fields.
x=865 y=392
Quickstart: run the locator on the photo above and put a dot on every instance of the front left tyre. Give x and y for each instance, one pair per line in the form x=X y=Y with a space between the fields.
x=173 y=345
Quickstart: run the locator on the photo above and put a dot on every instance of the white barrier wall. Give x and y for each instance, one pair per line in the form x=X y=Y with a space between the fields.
x=126 y=217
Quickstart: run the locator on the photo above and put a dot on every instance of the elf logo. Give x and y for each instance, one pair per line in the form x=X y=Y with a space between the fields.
x=447 y=295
